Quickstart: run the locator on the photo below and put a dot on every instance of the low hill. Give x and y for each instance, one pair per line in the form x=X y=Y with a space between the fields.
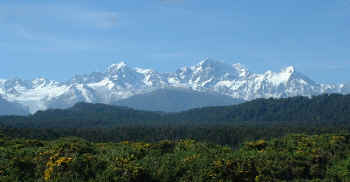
x=176 y=100
x=82 y=115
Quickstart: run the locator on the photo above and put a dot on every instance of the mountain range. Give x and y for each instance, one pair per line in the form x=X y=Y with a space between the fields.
x=119 y=81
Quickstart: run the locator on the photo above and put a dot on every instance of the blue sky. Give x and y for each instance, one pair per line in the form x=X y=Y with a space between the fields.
x=57 y=39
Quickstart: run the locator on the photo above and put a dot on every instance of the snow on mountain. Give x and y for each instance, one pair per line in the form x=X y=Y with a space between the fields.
x=32 y=94
x=345 y=88
x=119 y=81
x=206 y=74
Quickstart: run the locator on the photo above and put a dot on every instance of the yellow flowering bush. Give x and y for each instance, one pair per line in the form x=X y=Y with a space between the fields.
x=292 y=158
x=57 y=166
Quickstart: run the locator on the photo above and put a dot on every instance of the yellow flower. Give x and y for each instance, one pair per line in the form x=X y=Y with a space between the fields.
x=63 y=160
x=218 y=163
x=191 y=158
x=49 y=163
x=125 y=142
x=47 y=173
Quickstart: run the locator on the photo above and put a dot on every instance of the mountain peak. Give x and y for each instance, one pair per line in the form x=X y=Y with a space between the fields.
x=209 y=62
x=211 y=65
x=40 y=81
x=241 y=69
x=17 y=82
x=2 y=81
x=117 y=66
x=289 y=69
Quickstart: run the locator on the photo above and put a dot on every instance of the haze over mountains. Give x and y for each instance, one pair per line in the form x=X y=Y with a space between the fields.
x=8 y=108
x=120 y=81
x=176 y=100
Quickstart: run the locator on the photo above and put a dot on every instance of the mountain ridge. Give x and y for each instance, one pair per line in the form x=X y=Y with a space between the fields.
x=119 y=81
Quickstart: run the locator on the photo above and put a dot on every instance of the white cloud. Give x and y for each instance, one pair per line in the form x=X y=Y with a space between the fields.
x=98 y=19
x=65 y=15
x=52 y=27
x=23 y=33
x=26 y=40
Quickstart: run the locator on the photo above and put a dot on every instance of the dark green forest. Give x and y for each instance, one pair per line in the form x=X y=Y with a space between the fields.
x=230 y=134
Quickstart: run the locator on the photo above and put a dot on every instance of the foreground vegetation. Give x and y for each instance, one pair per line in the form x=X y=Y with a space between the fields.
x=295 y=157
x=250 y=142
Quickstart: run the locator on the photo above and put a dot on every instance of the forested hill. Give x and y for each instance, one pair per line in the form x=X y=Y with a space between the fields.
x=333 y=107
x=82 y=115
x=324 y=108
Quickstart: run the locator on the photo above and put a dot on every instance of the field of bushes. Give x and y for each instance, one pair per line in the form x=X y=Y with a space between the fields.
x=294 y=157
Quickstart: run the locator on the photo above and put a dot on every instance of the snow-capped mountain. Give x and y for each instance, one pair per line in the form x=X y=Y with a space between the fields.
x=120 y=81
